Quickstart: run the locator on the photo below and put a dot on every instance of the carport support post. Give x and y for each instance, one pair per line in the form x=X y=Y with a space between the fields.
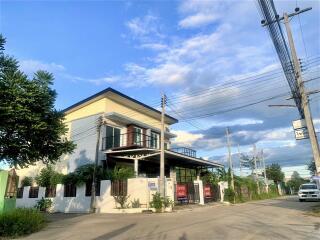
x=198 y=174
x=136 y=167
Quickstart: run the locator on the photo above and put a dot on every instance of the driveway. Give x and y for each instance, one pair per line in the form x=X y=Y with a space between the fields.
x=283 y=218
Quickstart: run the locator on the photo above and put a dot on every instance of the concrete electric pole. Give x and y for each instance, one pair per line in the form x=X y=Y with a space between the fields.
x=93 y=187
x=255 y=166
x=304 y=96
x=230 y=158
x=162 y=168
x=264 y=172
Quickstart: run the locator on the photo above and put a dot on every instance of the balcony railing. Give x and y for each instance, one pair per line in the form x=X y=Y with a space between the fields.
x=139 y=140
x=130 y=140
x=185 y=151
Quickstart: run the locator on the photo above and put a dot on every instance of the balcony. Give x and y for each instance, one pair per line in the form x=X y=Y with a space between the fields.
x=130 y=140
x=134 y=140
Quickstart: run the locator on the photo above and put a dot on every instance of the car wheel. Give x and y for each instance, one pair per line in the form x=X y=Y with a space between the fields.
x=301 y=200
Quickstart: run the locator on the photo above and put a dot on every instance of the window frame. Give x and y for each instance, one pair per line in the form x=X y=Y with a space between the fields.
x=154 y=138
x=112 y=145
x=135 y=134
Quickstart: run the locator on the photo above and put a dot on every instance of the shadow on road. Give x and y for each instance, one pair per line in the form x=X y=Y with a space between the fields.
x=115 y=232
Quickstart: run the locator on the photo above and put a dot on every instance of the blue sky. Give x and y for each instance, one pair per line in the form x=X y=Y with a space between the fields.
x=145 y=47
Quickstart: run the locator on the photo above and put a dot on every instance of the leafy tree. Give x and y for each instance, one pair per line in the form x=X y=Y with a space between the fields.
x=295 y=181
x=274 y=173
x=31 y=129
x=209 y=177
x=48 y=177
x=312 y=167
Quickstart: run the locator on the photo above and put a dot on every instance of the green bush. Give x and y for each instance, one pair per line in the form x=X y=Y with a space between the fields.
x=156 y=202
x=21 y=221
x=229 y=195
x=27 y=181
x=159 y=202
x=44 y=204
x=135 y=203
x=122 y=201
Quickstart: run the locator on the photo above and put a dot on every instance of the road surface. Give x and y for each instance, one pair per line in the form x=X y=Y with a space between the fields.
x=269 y=219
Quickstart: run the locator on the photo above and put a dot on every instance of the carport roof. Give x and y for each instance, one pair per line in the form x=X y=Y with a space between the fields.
x=171 y=157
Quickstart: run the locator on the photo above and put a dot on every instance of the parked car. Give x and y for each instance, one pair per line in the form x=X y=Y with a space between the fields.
x=308 y=191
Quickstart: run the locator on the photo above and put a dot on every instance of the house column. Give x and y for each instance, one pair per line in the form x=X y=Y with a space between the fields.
x=173 y=174
x=136 y=167
x=198 y=174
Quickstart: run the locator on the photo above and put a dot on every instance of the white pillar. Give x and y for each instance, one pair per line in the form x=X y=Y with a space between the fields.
x=136 y=167
x=201 y=195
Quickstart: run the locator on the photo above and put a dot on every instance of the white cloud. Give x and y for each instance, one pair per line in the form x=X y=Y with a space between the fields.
x=154 y=46
x=185 y=138
x=198 y=20
x=30 y=66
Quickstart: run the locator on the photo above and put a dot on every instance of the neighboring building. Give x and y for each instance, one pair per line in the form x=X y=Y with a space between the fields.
x=130 y=136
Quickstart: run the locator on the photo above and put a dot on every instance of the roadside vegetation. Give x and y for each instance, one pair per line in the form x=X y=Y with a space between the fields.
x=315 y=211
x=21 y=221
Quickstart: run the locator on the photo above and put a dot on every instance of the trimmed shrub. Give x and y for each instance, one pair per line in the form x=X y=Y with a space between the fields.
x=21 y=221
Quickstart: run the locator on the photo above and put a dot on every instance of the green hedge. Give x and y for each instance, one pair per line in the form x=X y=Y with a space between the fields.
x=21 y=221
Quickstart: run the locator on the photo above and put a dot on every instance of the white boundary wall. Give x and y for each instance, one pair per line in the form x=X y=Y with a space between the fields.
x=138 y=188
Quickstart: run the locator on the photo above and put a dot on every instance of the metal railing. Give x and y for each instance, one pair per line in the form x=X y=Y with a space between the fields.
x=131 y=139
x=185 y=151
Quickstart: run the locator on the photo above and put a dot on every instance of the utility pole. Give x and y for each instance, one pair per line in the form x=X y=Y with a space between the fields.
x=304 y=96
x=230 y=158
x=162 y=170
x=93 y=187
x=255 y=166
x=264 y=172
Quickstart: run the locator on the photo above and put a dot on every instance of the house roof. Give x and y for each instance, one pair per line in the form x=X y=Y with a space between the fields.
x=111 y=90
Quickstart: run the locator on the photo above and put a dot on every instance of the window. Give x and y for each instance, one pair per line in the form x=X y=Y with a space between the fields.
x=112 y=137
x=70 y=190
x=137 y=137
x=33 y=192
x=20 y=192
x=154 y=140
x=50 y=192
x=89 y=187
x=119 y=188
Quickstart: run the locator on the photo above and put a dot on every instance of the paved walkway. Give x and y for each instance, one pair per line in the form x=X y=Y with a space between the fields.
x=269 y=219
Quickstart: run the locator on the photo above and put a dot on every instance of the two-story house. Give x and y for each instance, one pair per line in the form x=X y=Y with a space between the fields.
x=130 y=135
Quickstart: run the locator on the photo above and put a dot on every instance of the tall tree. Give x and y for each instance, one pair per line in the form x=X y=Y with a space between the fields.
x=31 y=129
x=274 y=173
x=295 y=181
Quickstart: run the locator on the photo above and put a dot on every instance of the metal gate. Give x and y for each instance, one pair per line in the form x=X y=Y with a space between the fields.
x=186 y=193
x=211 y=193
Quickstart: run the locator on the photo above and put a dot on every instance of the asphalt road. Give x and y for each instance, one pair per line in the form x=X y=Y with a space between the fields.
x=270 y=219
